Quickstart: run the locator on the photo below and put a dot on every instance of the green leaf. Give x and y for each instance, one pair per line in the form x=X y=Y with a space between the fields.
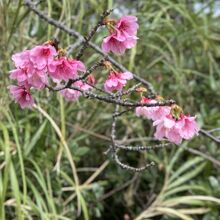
x=185 y=167
x=29 y=147
x=188 y=176
x=81 y=151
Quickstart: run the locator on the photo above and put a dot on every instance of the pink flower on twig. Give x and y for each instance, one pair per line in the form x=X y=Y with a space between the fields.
x=73 y=95
x=153 y=113
x=117 y=80
x=42 y=55
x=65 y=69
x=122 y=35
x=176 y=130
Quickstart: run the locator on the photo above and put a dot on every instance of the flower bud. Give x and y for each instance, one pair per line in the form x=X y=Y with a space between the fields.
x=176 y=111
x=91 y=79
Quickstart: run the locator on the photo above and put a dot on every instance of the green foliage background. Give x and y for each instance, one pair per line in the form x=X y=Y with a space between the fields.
x=179 y=52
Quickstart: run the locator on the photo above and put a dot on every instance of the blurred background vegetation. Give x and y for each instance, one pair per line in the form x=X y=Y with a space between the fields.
x=178 y=51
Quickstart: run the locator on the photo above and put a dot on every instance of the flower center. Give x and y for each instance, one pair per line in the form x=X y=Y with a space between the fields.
x=46 y=52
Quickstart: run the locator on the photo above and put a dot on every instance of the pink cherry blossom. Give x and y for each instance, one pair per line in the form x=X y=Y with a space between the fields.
x=127 y=25
x=73 y=95
x=37 y=79
x=116 y=81
x=22 y=96
x=122 y=35
x=30 y=72
x=153 y=113
x=91 y=79
x=115 y=43
x=20 y=75
x=42 y=55
x=166 y=128
x=176 y=130
x=65 y=69
x=188 y=127
x=22 y=60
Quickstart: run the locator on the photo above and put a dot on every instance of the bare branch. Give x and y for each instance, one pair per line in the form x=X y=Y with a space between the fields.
x=109 y=99
x=208 y=134
x=114 y=148
x=92 y=32
x=130 y=168
x=141 y=148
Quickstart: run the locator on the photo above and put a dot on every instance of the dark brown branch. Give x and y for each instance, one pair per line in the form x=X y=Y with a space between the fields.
x=92 y=33
x=89 y=71
x=96 y=88
x=127 y=92
x=109 y=99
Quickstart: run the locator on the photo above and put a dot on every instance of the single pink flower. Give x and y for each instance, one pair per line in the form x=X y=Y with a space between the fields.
x=42 y=55
x=91 y=79
x=117 y=43
x=166 y=128
x=73 y=95
x=20 y=75
x=188 y=127
x=153 y=113
x=78 y=65
x=176 y=130
x=22 y=96
x=122 y=35
x=65 y=69
x=116 y=81
x=127 y=25
x=37 y=79
x=22 y=59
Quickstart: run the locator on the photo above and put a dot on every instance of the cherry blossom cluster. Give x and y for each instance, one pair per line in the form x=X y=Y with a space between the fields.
x=48 y=64
x=170 y=121
x=35 y=67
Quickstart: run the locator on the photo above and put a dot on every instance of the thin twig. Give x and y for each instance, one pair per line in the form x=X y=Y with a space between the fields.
x=73 y=46
x=89 y=71
x=108 y=99
x=114 y=147
x=92 y=33
x=204 y=155
x=141 y=148
x=127 y=92
x=207 y=134
x=130 y=168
